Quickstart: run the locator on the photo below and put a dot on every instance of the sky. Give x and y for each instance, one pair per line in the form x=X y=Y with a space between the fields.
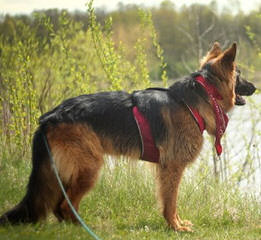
x=27 y=6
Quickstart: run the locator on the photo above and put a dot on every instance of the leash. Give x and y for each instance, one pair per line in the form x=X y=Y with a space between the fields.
x=94 y=236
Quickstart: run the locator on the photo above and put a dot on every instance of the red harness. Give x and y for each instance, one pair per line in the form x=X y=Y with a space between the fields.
x=150 y=152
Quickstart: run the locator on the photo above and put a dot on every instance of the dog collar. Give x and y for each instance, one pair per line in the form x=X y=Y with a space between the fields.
x=220 y=117
x=149 y=151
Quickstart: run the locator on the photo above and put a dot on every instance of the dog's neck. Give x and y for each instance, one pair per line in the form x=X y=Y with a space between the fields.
x=217 y=118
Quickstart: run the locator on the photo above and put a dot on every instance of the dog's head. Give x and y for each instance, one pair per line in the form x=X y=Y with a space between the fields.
x=243 y=88
x=221 y=67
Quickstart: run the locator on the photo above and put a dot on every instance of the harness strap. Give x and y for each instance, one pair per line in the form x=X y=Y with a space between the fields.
x=197 y=117
x=149 y=150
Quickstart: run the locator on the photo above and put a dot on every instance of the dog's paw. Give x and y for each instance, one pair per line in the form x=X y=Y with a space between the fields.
x=181 y=226
x=185 y=223
x=183 y=229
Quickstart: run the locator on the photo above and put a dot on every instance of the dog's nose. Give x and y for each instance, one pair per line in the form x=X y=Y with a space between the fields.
x=253 y=89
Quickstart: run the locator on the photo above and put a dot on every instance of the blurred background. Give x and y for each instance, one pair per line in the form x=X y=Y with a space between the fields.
x=185 y=29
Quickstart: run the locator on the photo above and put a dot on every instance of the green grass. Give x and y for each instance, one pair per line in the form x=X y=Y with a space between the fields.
x=123 y=206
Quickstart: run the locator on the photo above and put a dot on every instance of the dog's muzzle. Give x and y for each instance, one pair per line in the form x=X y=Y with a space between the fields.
x=243 y=88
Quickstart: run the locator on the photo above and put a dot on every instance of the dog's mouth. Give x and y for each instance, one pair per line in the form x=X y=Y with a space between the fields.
x=243 y=88
x=240 y=101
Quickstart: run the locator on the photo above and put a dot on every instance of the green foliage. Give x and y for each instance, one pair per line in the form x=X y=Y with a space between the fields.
x=18 y=96
x=105 y=49
x=147 y=23
x=120 y=71
x=37 y=73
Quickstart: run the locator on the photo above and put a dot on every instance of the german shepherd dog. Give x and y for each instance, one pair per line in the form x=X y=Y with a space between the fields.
x=82 y=129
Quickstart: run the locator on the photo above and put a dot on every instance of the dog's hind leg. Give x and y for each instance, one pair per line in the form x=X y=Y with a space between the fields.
x=169 y=180
x=78 y=155
x=81 y=182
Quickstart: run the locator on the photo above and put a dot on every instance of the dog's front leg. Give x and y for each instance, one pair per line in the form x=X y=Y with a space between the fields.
x=170 y=178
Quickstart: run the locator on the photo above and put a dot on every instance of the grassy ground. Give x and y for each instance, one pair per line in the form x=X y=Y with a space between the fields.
x=123 y=206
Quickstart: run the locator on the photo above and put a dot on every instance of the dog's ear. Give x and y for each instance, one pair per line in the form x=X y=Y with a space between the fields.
x=215 y=50
x=229 y=56
x=212 y=53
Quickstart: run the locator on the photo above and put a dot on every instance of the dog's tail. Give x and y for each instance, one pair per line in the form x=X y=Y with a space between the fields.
x=43 y=192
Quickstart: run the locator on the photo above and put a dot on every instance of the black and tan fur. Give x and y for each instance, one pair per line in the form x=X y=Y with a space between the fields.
x=82 y=129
